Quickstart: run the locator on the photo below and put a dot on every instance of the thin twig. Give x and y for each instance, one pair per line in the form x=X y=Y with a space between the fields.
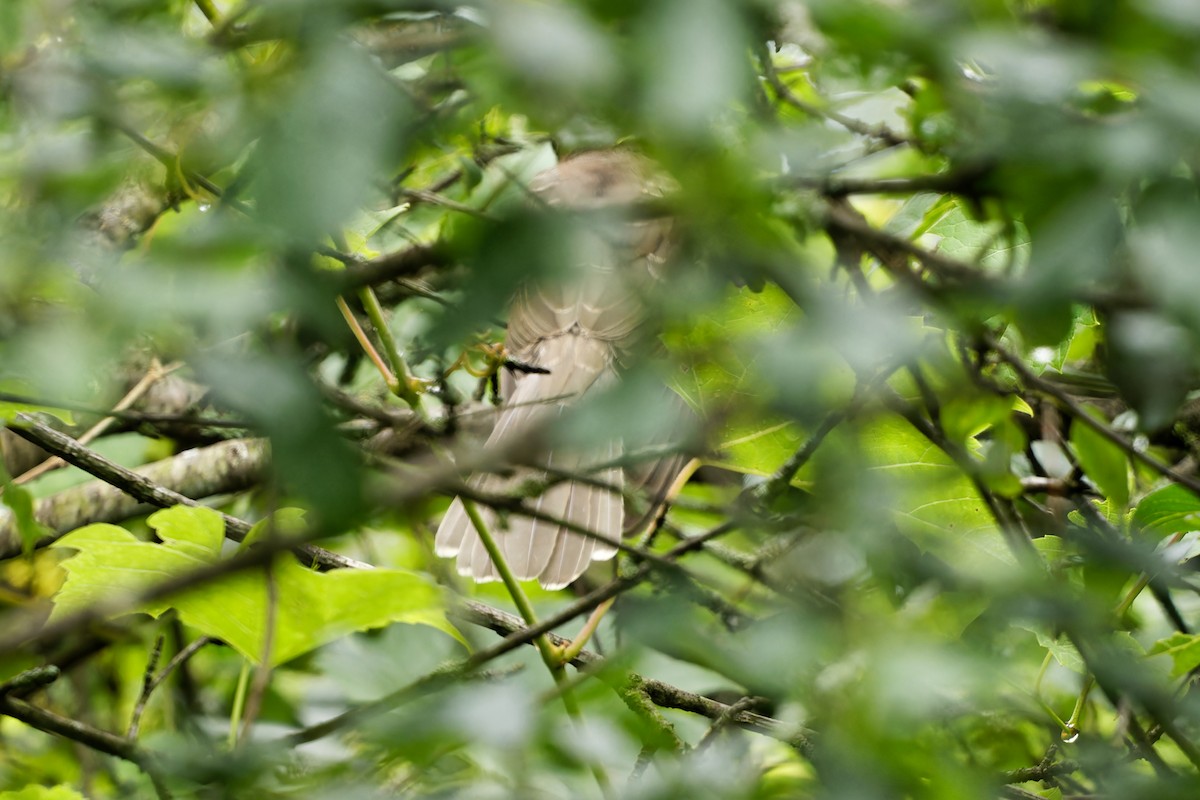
x=402 y=384
x=126 y=416
x=516 y=635
x=155 y=373
x=433 y=198
x=722 y=722
x=176 y=661
x=880 y=132
x=147 y=687
x=94 y=738
x=262 y=675
x=550 y=657
x=365 y=343
x=1079 y=414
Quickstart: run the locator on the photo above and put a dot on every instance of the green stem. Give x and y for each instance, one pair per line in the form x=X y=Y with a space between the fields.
x=1037 y=693
x=589 y=629
x=239 y=703
x=1072 y=726
x=1125 y=605
x=524 y=608
x=403 y=388
x=209 y=10
x=1037 y=684
x=551 y=657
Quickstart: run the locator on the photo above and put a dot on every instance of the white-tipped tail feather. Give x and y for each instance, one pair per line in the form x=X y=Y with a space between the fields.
x=541 y=546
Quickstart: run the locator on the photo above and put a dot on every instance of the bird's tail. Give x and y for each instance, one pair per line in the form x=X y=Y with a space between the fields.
x=550 y=544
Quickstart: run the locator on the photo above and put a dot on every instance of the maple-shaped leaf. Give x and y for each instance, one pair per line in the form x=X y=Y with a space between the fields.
x=312 y=608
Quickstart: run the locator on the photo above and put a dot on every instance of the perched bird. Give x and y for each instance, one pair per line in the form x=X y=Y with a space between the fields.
x=579 y=328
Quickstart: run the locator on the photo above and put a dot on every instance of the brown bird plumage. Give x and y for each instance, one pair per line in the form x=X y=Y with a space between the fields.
x=578 y=329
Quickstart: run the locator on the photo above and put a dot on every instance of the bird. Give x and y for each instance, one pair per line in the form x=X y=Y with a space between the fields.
x=577 y=330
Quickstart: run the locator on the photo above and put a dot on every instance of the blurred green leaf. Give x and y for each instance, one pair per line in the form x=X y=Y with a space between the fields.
x=314 y=167
x=19 y=500
x=312 y=460
x=1150 y=360
x=555 y=47
x=930 y=498
x=726 y=383
x=697 y=64
x=43 y=793
x=1103 y=462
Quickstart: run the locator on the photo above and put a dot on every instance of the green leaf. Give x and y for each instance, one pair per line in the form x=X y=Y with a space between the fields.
x=967 y=239
x=1080 y=346
x=758 y=447
x=1051 y=548
x=197 y=530
x=917 y=213
x=312 y=608
x=20 y=502
x=933 y=501
x=1103 y=462
x=743 y=315
x=1184 y=650
x=1063 y=650
x=1167 y=511
x=964 y=418
x=42 y=793
x=727 y=385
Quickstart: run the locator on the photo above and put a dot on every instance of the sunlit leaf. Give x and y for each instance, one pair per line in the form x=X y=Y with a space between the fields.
x=1183 y=649
x=1103 y=462
x=20 y=502
x=310 y=608
x=1064 y=652
x=1169 y=510
x=43 y=793
x=931 y=499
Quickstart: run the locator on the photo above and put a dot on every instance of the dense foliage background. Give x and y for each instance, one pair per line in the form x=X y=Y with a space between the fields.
x=935 y=304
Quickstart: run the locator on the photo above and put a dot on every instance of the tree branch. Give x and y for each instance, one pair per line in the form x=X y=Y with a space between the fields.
x=143 y=488
x=230 y=466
